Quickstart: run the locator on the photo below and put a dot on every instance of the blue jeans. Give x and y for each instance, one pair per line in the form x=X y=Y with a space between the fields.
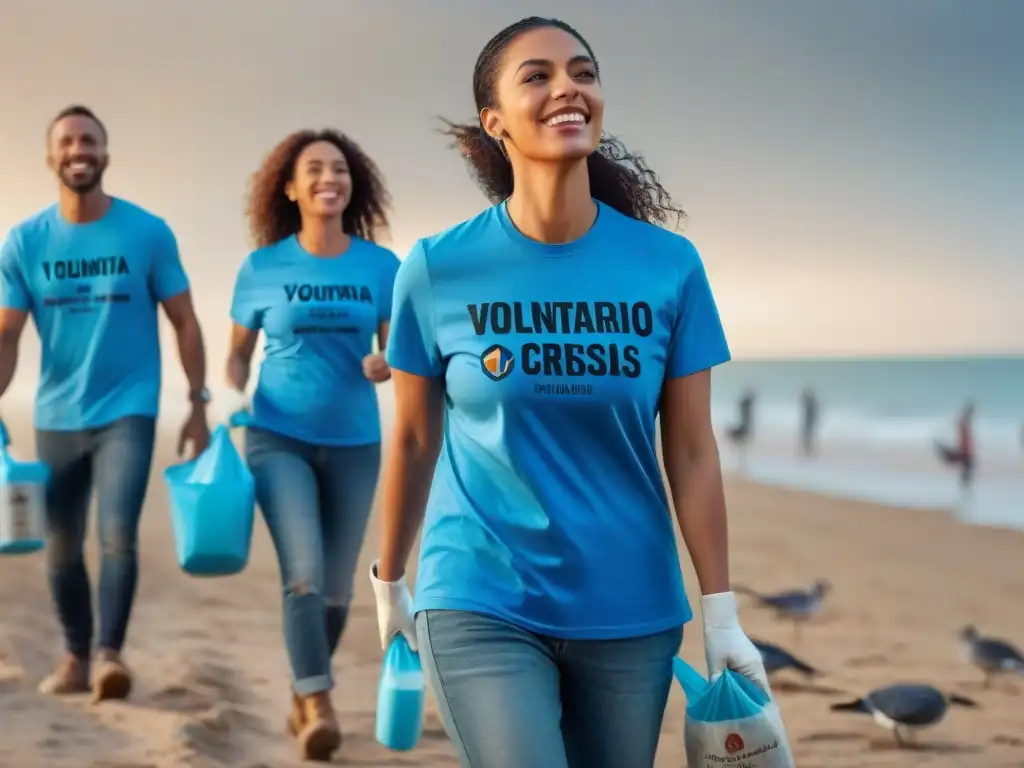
x=316 y=501
x=116 y=460
x=510 y=698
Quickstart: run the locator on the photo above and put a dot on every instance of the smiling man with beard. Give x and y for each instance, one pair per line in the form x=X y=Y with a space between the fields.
x=90 y=271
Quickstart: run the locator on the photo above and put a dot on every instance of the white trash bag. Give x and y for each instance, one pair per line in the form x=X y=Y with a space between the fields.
x=731 y=722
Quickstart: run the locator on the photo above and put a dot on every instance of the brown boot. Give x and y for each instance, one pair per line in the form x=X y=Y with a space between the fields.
x=111 y=680
x=320 y=736
x=297 y=717
x=70 y=676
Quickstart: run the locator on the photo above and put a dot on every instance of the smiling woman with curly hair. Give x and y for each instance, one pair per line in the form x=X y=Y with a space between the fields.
x=320 y=291
x=273 y=216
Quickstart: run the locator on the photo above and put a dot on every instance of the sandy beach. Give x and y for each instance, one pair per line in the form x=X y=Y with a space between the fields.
x=212 y=685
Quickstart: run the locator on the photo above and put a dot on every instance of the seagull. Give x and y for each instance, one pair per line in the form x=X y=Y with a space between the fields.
x=797 y=605
x=990 y=655
x=905 y=709
x=777 y=659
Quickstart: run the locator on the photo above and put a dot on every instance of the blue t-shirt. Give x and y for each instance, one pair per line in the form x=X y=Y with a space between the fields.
x=319 y=317
x=92 y=290
x=548 y=508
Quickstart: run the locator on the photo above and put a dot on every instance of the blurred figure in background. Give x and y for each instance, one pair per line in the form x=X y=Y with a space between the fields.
x=92 y=272
x=962 y=455
x=809 y=410
x=740 y=433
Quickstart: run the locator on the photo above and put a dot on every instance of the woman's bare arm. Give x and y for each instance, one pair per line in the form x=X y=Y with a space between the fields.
x=695 y=477
x=409 y=469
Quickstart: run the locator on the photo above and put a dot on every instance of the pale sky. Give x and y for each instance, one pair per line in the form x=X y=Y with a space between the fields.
x=852 y=170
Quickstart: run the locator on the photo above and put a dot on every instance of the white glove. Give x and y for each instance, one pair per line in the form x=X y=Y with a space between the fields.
x=394 y=609
x=726 y=645
x=231 y=401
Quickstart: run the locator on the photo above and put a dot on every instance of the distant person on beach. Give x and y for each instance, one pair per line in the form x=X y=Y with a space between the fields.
x=742 y=431
x=961 y=455
x=809 y=411
x=538 y=342
x=91 y=271
x=319 y=289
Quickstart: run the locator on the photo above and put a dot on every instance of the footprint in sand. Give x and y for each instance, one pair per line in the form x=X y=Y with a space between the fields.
x=215 y=728
x=178 y=698
x=220 y=733
x=198 y=687
x=1008 y=741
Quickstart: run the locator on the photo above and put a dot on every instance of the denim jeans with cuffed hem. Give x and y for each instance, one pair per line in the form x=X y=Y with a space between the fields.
x=510 y=698
x=316 y=501
x=115 y=459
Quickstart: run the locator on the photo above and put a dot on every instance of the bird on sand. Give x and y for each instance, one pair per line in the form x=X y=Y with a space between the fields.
x=776 y=659
x=796 y=605
x=991 y=655
x=905 y=709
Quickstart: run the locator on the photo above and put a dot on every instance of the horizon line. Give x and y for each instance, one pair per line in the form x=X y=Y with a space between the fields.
x=882 y=357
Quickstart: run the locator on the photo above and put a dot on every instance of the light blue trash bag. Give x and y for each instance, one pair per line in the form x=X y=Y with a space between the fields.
x=401 y=693
x=212 y=509
x=731 y=722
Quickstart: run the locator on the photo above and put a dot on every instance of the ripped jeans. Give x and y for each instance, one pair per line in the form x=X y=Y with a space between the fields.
x=316 y=501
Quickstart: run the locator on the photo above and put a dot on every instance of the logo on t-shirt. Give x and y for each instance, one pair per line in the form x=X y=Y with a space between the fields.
x=76 y=285
x=497 y=362
x=76 y=269
x=324 y=307
x=567 y=340
x=324 y=292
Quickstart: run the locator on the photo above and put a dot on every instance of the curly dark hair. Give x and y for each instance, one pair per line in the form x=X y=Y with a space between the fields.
x=618 y=178
x=273 y=217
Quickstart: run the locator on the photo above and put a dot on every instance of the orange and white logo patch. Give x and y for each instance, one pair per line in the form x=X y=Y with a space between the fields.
x=733 y=743
x=497 y=362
